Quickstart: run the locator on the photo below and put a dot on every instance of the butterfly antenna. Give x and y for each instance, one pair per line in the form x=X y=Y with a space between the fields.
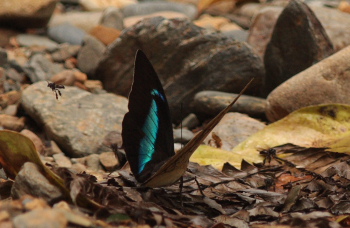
x=180 y=190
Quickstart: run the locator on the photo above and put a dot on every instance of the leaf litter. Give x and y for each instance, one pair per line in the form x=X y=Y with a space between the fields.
x=307 y=188
x=288 y=186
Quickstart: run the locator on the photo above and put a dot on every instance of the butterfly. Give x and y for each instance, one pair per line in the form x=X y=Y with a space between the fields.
x=148 y=134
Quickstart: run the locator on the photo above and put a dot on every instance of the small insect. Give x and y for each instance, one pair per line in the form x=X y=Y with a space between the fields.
x=271 y=154
x=55 y=88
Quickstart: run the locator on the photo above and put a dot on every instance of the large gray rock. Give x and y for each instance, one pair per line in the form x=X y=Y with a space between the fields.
x=78 y=121
x=298 y=41
x=28 y=14
x=31 y=181
x=187 y=59
x=325 y=82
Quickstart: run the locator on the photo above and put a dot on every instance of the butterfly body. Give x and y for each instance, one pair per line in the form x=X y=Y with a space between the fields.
x=147 y=130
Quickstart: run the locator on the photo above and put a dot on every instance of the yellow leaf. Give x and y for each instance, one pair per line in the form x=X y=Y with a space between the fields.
x=207 y=155
x=17 y=149
x=313 y=126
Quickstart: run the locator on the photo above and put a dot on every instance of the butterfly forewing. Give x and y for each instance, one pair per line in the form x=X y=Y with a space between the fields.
x=147 y=130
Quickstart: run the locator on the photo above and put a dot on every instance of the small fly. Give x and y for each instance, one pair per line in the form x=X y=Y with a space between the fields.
x=55 y=88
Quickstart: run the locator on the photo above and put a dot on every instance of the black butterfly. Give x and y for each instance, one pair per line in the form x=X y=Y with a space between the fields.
x=147 y=130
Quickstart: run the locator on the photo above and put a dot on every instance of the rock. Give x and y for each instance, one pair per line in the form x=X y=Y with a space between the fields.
x=40 y=68
x=78 y=168
x=18 y=58
x=336 y=25
x=215 y=23
x=218 y=8
x=79 y=76
x=344 y=6
x=53 y=148
x=82 y=20
x=64 y=52
x=92 y=162
x=109 y=161
x=239 y=35
x=97 y=5
x=3 y=57
x=289 y=53
x=47 y=159
x=131 y=21
x=80 y=85
x=10 y=85
x=112 y=17
x=26 y=14
x=203 y=60
x=9 y=98
x=210 y=103
x=93 y=85
x=113 y=138
x=262 y=28
x=233 y=129
x=39 y=146
x=91 y=47
x=5 y=190
x=5 y=36
x=31 y=181
x=11 y=110
x=71 y=63
x=334 y=22
x=177 y=147
x=182 y=135
x=324 y=82
x=104 y=34
x=62 y=161
x=65 y=77
x=145 y=8
x=67 y=33
x=15 y=76
x=31 y=203
x=28 y=40
x=77 y=122
x=11 y=122
x=41 y=218
x=246 y=12
x=230 y=27
x=191 y=121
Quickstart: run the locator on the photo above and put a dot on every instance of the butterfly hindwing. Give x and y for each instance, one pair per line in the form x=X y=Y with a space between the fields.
x=147 y=129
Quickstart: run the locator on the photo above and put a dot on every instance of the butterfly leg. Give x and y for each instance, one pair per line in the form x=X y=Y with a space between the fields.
x=181 y=187
x=199 y=187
